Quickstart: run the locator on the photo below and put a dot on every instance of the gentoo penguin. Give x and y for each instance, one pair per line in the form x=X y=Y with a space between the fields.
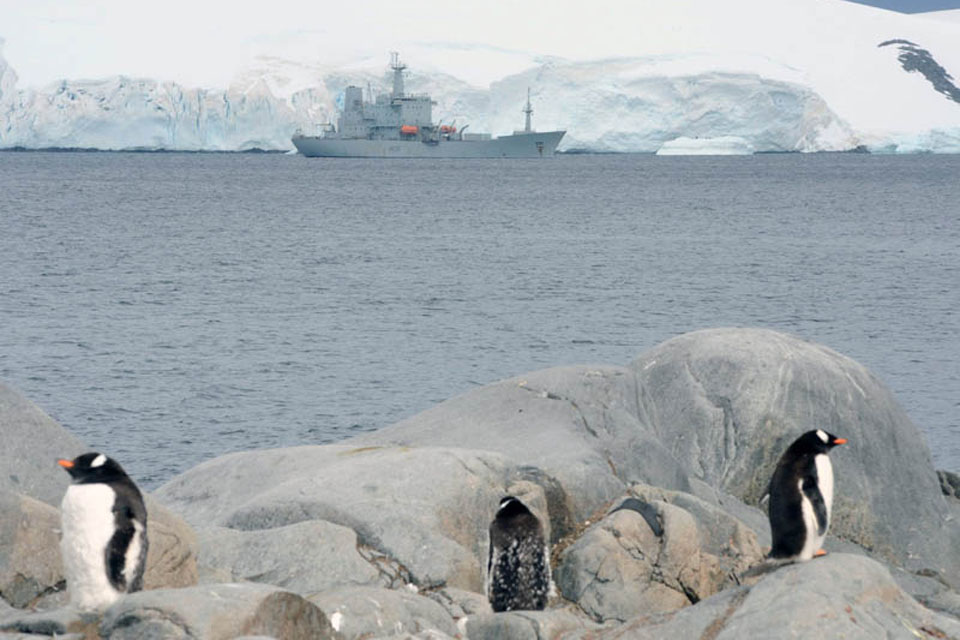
x=801 y=496
x=104 y=532
x=518 y=566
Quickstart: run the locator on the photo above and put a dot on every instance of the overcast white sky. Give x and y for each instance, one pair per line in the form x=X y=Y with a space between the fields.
x=205 y=42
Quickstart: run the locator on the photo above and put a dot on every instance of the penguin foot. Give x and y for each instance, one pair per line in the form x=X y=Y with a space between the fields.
x=819 y=553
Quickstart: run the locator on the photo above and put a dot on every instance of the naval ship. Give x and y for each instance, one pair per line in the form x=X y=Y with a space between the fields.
x=400 y=125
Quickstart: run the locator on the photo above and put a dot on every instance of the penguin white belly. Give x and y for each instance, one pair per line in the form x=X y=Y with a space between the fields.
x=131 y=558
x=813 y=540
x=825 y=480
x=88 y=525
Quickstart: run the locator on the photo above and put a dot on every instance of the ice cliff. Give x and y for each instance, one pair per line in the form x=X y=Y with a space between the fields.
x=822 y=75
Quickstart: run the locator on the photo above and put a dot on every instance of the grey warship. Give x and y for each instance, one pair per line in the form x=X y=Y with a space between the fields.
x=400 y=125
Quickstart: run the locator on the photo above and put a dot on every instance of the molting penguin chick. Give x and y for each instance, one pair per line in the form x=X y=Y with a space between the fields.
x=801 y=496
x=518 y=566
x=104 y=529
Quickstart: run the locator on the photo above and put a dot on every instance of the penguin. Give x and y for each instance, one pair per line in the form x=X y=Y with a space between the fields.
x=518 y=565
x=801 y=496
x=104 y=532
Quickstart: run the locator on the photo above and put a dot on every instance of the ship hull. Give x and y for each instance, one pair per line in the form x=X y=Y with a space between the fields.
x=520 y=145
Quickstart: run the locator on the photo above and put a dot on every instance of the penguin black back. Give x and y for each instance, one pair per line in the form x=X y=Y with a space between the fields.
x=518 y=568
x=801 y=496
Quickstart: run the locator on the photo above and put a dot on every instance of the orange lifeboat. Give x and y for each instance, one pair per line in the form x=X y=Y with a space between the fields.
x=445 y=128
x=409 y=130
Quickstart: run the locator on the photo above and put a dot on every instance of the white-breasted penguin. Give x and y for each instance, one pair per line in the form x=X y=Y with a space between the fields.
x=104 y=532
x=801 y=496
x=518 y=565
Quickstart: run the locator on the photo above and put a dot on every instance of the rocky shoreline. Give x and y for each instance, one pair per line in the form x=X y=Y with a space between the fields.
x=384 y=535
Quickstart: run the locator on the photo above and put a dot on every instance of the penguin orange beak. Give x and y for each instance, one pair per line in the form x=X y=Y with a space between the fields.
x=840 y=441
x=66 y=464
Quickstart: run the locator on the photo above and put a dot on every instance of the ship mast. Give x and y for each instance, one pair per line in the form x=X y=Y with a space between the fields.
x=528 y=110
x=398 y=68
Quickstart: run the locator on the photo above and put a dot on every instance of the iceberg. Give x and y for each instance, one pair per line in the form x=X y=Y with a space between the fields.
x=822 y=75
x=722 y=146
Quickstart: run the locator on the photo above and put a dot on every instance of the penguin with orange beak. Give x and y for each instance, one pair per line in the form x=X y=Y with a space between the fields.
x=801 y=497
x=104 y=532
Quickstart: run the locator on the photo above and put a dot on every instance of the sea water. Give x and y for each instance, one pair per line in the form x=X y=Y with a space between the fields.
x=169 y=308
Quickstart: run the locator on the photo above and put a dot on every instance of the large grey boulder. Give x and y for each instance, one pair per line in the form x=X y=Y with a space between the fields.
x=583 y=425
x=838 y=596
x=307 y=557
x=426 y=508
x=32 y=442
x=366 y=612
x=660 y=551
x=172 y=555
x=215 y=612
x=529 y=625
x=30 y=565
x=727 y=402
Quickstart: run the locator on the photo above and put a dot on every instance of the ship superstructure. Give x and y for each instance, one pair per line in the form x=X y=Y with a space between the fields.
x=400 y=125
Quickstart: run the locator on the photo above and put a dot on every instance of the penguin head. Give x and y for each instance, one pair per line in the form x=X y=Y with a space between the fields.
x=511 y=507
x=93 y=467
x=819 y=441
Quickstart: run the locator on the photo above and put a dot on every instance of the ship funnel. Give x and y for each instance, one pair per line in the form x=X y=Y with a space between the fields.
x=398 y=68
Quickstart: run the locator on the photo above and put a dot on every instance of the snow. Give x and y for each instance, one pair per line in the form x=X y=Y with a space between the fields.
x=951 y=15
x=781 y=75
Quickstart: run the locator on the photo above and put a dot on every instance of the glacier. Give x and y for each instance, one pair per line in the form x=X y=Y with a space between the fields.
x=819 y=75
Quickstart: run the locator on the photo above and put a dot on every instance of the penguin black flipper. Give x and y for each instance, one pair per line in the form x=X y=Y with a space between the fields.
x=126 y=553
x=116 y=553
x=811 y=490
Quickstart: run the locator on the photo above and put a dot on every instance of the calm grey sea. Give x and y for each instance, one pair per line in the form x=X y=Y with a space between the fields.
x=169 y=308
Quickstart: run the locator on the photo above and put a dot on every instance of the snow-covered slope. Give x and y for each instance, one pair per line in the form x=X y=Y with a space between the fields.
x=951 y=15
x=631 y=75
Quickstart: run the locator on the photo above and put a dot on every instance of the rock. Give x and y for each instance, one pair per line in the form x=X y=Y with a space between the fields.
x=215 y=612
x=674 y=552
x=172 y=555
x=30 y=565
x=306 y=557
x=949 y=484
x=459 y=603
x=527 y=625
x=582 y=425
x=838 y=596
x=727 y=403
x=57 y=622
x=426 y=509
x=32 y=443
x=362 y=612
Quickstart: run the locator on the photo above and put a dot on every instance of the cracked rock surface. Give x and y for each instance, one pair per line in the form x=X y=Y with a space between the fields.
x=727 y=402
x=622 y=566
x=838 y=596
